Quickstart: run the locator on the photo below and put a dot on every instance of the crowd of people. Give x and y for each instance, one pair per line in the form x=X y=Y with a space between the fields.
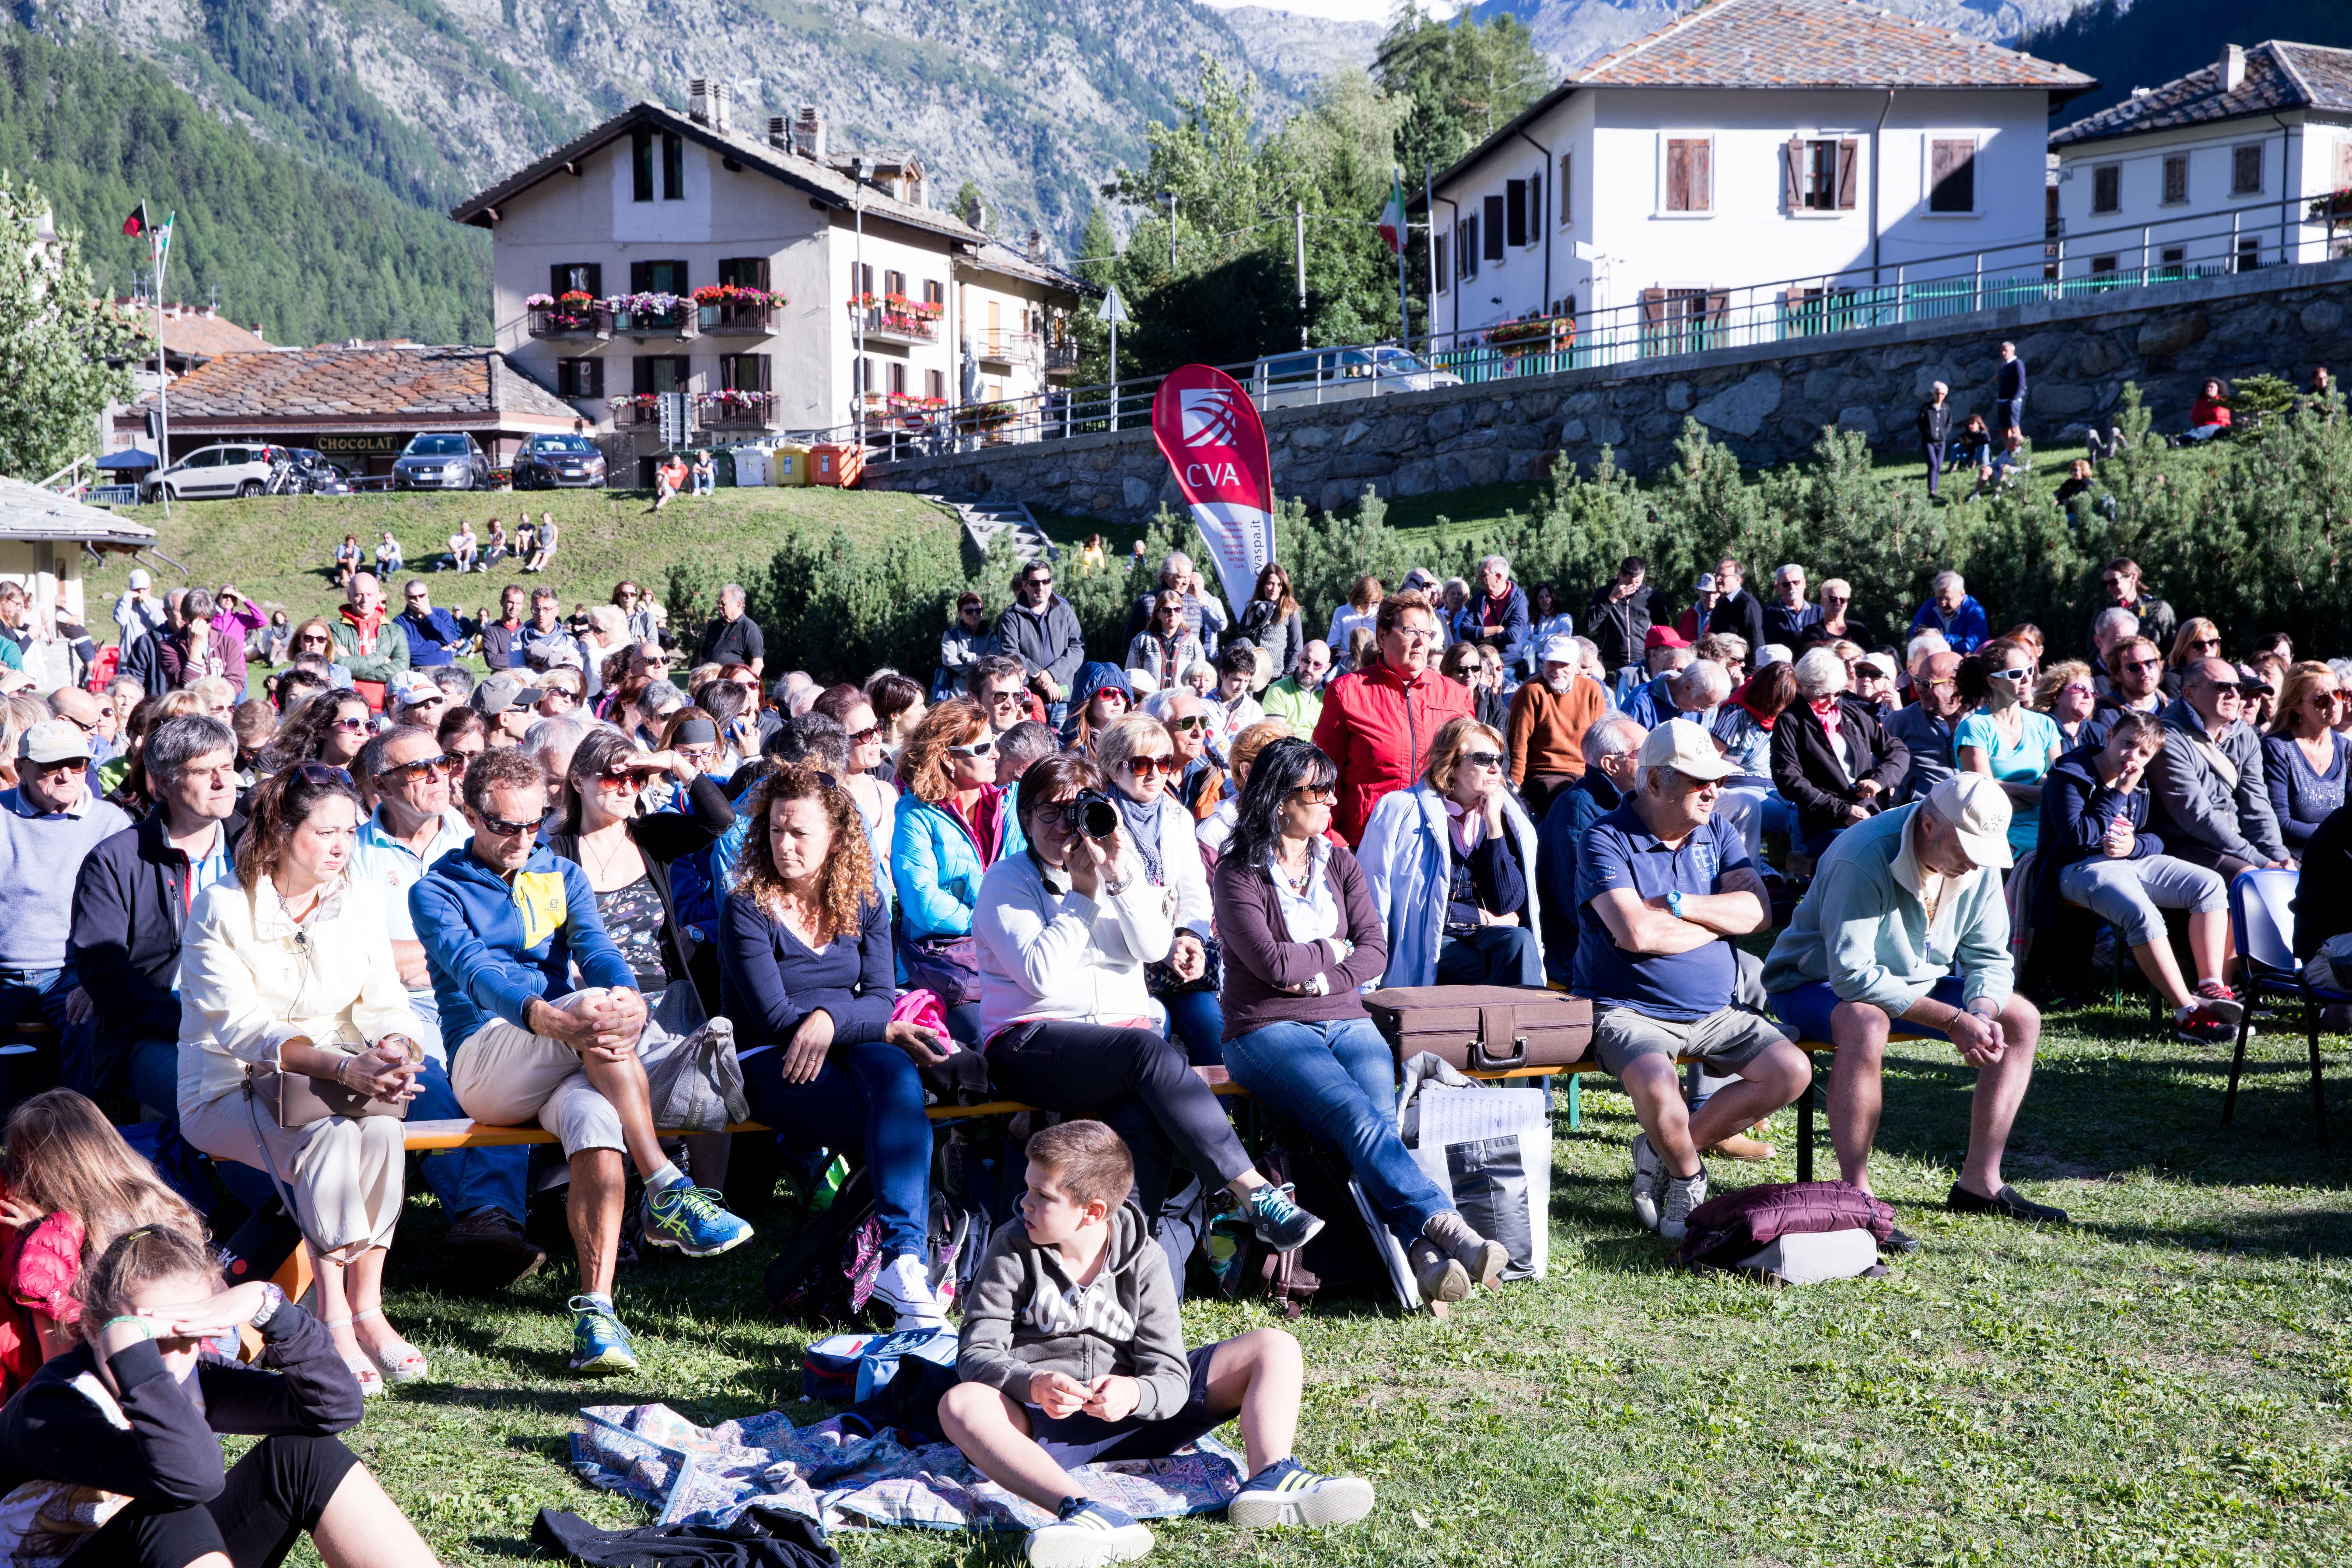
x=261 y=917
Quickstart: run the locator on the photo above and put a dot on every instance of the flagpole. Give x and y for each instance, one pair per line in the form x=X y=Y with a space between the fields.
x=1404 y=233
x=163 y=375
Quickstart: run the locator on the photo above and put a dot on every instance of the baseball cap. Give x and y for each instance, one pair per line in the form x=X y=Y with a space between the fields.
x=1978 y=810
x=1688 y=749
x=1664 y=637
x=1881 y=662
x=2252 y=681
x=138 y=578
x=496 y=694
x=54 y=741
x=1561 y=650
x=412 y=688
x=1705 y=584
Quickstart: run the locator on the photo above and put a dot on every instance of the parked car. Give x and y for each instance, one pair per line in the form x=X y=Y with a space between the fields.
x=441 y=462
x=222 y=470
x=550 y=462
x=1333 y=375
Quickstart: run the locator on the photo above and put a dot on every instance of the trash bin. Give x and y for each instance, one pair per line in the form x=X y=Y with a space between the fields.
x=787 y=465
x=750 y=466
x=723 y=460
x=835 y=464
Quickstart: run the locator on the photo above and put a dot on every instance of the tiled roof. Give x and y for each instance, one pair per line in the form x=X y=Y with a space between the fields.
x=343 y=385
x=197 y=336
x=1816 y=44
x=2278 y=76
x=28 y=512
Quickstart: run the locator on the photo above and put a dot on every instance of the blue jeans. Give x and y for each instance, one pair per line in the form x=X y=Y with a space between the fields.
x=467 y=1178
x=1196 y=1021
x=1491 y=955
x=1339 y=1079
x=151 y=1074
x=703 y=482
x=867 y=1101
x=35 y=995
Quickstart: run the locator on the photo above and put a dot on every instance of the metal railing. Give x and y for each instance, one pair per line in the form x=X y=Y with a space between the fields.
x=898 y=326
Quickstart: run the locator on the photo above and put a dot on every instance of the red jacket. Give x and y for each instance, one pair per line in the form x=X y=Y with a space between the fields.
x=1377 y=729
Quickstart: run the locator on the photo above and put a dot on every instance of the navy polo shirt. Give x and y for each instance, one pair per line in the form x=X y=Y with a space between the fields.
x=1618 y=851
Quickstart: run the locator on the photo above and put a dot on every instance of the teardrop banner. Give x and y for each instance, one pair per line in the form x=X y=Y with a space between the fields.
x=1212 y=435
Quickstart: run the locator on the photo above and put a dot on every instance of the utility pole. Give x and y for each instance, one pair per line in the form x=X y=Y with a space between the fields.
x=1298 y=238
x=1171 y=231
x=856 y=292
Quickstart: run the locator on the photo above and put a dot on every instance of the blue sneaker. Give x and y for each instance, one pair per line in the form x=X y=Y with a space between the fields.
x=1287 y=1492
x=692 y=1220
x=1280 y=1222
x=1086 y=1535
x=599 y=1344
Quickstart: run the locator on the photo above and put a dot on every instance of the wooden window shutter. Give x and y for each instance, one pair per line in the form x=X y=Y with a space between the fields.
x=1568 y=187
x=2343 y=165
x=1653 y=307
x=641 y=373
x=898 y=376
x=1515 y=213
x=1718 y=307
x=1535 y=208
x=559 y=278
x=1951 y=176
x=1849 y=156
x=1494 y=210
x=1440 y=260
x=639 y=272
x=1792 y=174
x=593 y=384
x=1678 y=173
x=1702 y=176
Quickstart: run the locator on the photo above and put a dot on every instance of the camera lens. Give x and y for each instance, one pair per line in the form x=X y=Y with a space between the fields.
x=1099 y=818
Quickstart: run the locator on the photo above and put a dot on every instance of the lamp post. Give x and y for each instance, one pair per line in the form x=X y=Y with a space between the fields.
x=858 y=167
x=1170 y=197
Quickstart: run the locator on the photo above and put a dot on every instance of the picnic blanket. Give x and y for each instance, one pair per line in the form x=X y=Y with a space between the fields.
x=843 y=1477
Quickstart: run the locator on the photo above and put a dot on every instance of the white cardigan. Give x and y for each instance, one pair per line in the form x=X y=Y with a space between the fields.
x=251 y=980
x=1047 y=952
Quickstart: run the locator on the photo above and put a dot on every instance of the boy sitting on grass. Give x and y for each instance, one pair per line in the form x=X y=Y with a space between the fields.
x=1072 y=1352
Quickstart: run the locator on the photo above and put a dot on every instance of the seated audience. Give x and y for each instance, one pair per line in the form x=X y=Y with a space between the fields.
x=2210 y=415
x=1216 y=829
x=1166 y=647
x=1232 y=707
x=1831 y=759
x=1549 y=718
x=49 y=827
x=1742 y=729
x=1377 y=720
x=368 y=647
x=1296 y=699
x=1663 y=889
x=1950 y=610
x=2004 y=738
x=1611 y=763
x=1072 y=1352
x=2304 y=754
x=2212 y=803
x=1099 y=698
x=1451 y=864
x=331 y=728
x=954 y=823
x=2323 y=917
x=2134 y=679
x=2199 y=639
x=1140 y=760
x=2066 y=692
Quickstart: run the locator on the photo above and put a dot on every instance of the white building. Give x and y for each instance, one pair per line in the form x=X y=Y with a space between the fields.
x=665 y=252
x=1738 y=174
x=2219 y=171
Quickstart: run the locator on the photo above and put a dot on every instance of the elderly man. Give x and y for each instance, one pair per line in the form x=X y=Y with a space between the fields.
x=1663 y=887
x=2134 y=679
x=416 y=825
x=48 y=822
x=434 y=635
x=1925 y=725
x=1738 y=612
x=1618 y=619
x=1040 y=630
x=1905 y=921
x=2119 y=588
x=1692 y=622
x=131 y=898
x=2211 y=804
x=2110 y=627
x=1787 y=616
x=91 y=714
x=1549 y=716
x=504 y=923
x=1497 y=614
x=1204 y=616
x=1377 y=723
x=366 y=644
x=733 y=638
x=1950 y=611
x=1691 y=687
x=417 y=700
x=1611 y=751
x=1297 y=697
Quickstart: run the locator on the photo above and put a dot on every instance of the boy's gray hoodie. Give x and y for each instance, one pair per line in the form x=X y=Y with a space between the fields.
x=1023 y=1316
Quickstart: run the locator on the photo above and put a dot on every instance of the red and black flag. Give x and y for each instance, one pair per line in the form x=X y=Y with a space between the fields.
x=136 y=224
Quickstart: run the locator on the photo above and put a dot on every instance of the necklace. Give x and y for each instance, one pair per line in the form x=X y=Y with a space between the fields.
x=1305 y=869
x=602 y=870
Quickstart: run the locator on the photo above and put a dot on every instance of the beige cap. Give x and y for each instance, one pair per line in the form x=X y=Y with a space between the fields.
x=1688 y=749
x=1978 y=811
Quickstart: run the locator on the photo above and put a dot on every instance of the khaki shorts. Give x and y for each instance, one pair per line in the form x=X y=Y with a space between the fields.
x=1726 y=1040
x=505 y=1076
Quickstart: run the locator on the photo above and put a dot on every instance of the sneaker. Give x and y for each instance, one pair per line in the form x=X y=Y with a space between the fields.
x=1899 y=1242
x=1649 y=1181
x=1483 y=1260
x=1436 y=1276
x=2006 y=1203
x=904 y=1286
x=495 y=1247
x=1287 y=1492
x=599 y=1344
x=2222 y=1001
x=2203 y=1025
x=1088 y=1533
x=693 y=1220
x=1683 y=1193
x=1280 y=1222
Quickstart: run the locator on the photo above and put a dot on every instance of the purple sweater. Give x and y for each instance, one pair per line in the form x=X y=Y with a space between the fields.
x=1260 y=957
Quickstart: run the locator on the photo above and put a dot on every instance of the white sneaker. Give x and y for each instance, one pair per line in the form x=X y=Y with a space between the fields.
x=1683 y=1193
x=905 y=1287
x=1649 y=1179
x=1089 y=1536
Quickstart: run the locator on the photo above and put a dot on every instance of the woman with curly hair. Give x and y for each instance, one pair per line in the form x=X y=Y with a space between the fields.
x=329 y=728
x=954 y=823
x=806 y=973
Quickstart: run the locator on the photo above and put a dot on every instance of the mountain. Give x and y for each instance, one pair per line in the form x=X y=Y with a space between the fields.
x=1574 y=31
x=1293 y=52
x=2151 y=42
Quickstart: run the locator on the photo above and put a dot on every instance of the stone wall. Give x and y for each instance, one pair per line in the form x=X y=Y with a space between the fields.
x=1765 y=403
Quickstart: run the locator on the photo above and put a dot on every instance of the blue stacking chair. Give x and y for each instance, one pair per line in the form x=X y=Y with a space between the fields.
x=2261 y=917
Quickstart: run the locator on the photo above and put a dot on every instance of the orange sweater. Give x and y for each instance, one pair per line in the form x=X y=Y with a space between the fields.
x=1548 y=728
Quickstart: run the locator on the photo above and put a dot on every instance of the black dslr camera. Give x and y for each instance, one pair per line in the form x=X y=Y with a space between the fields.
x=1098 y=817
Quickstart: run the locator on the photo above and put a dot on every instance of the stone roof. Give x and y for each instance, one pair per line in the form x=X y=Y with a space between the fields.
x=1816 y=44
x=405 y=385
x=28 y=512
x=193 y=333
x=2279 y=76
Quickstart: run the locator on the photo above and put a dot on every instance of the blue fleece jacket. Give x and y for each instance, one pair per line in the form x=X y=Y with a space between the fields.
x=495 y=945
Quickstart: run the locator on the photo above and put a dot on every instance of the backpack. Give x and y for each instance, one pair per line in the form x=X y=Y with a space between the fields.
x=817 y=1276
x=1736 y=1230
x=698 y=1085
x=1345 y=1257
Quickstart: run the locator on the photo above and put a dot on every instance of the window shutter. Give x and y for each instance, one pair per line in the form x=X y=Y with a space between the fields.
x=1702 y=176
x=559 y=278
x=673 y=168
x=1678 y=177
x=1468 y=256
x=1792 y=174
x=1848 y=156
x=641 y=165
x=1718 y=307
x=1494 y=209
x=640 y=272
x=1515 y=213
x=1653 y=307
x=641 y=373
x=596 y=379
x=2343 y=165
x=1440 y=261
x=1952 y=179
x=1568 y=188
x=1535 y=208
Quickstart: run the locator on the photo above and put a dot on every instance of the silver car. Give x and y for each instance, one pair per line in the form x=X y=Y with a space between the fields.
x=240 y=469
x=1334 y=375
x=435 y=461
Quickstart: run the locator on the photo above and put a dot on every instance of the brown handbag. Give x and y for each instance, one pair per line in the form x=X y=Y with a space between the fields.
x=1483 y=1028
x=297 y=1100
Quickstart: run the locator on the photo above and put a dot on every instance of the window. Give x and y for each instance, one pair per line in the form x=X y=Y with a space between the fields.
x=659 y=373
x=744 y=272
x=1690 y=174
x=898 y=378
x=2102 y=265
x=1440 y=261
x=1494 y=209
x=894 y=283
x=2250 y=253
x=2173 y=261
x=1951 y=175
x=1683 y=321
x=2246 y=170
x=1818 y=174
x=2107 y=188
x=1566 y=185
x=935 y=293
x=1515 y=213
x=576 y=277
x=865 y=279
x=673 y=166
x=579 y=378
x=935 y=384
x=1466 y=250
x=743 y=373
x=2176 y=178
x=641 y=165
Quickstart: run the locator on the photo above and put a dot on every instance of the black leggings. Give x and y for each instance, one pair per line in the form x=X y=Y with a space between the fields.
x=275 y=1495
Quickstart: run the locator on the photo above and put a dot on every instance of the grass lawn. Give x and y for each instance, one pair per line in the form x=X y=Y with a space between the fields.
x=2164 y=1380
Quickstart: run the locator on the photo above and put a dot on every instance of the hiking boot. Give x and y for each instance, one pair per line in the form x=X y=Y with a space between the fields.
x=1086 y=1534
x=2006 y=1203
x=904 y=1286
x=1287 y=1492
x=1683 y=1193
x=494 y=1247
x=599 y=1344
x=1649 y=1181
x=1437 y=1277
x=1280 y=1222
x=692 y=1220
x=1483 y=1260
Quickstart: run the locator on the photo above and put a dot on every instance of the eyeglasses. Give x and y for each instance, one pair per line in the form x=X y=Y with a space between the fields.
x=1316 y=794
x=1004 y=698
x=1416 y=634
x=448 y=763
x=85 y=729
x=1190 y=722
x=660 y=663
x=1483 y=758
x=979 y=748
x=353 y=726
x=1142 y=767
x=972 y=610
x=2080 y=689
x=1039 y=583
x=307 y=638
x=2205 y=642
x=499 y=827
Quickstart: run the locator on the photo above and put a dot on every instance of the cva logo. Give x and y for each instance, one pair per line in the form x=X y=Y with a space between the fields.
x=1208 y=417
x=1213 y=475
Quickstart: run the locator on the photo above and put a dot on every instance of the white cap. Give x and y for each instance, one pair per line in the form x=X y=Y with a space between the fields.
x=1978 y=811
x=138 y=578
x=1881 y=662
x=1561 y=650
x=1688 y=749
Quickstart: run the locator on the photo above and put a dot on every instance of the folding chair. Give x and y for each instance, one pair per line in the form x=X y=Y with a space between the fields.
x=2262 y=918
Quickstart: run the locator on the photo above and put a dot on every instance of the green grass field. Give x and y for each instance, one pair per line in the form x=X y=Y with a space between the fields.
x=2163 y=1381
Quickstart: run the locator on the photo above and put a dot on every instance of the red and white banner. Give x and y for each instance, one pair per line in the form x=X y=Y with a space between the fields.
x=1212 y=437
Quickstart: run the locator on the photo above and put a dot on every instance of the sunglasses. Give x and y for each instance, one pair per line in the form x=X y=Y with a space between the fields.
x=972 y=610
x=2150 y=662
x=1142 y=767
x=354 y=726
x=622 y=778
x=68 y=765
x=2020 y=676
x=1195 y=721
x=1483 y=758
x=1316 y=794
x=307 y=638
x=1041 y=582
x=499 y=827
x=448 y=763
x=860 y=737
x=322 y=773
x=1002 y=698
x=2205 y=642
x=979 y=748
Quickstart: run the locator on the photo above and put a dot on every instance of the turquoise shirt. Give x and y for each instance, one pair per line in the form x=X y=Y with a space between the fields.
x=2024 y=763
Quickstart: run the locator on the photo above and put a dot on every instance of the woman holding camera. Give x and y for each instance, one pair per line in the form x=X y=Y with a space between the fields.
x=1139 y=759
x=297 y=1047
x=1064 y=932
x=1302 y=938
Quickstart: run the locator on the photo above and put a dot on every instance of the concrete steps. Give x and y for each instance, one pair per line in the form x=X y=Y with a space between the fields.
x=983 y=521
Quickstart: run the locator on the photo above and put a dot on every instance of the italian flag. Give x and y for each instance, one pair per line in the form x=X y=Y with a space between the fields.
x=1393 y=216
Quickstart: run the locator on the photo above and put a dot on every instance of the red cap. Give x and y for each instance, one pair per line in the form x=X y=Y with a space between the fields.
x=1664 y=637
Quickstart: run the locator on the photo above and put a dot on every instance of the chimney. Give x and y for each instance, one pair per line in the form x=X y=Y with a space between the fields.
x=780 y=133
x=723 y=106
x=2234 y=68
x=697 y=100
x=1037 y=246
x=808 y=132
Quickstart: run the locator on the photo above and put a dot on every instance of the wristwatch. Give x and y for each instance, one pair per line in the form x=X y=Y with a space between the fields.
x=1674 y=902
